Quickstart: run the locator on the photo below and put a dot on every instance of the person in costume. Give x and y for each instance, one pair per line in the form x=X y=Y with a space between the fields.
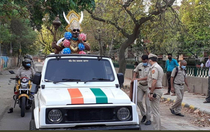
x=73 y=41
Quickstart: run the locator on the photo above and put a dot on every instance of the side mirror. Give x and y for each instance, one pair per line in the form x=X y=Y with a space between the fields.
x=34 y=88
x=37 y=78
x=11 y=72
x=120 y=77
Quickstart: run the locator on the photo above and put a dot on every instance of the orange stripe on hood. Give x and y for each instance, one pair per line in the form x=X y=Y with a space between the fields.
x=76 y=96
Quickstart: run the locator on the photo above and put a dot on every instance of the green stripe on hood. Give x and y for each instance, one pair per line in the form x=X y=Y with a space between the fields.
x=101 y=97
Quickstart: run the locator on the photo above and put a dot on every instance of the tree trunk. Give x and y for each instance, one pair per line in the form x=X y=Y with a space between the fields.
x=123 y=47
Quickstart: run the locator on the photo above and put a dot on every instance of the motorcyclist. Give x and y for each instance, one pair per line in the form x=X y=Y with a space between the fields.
x=27 y=56
x=24 y=71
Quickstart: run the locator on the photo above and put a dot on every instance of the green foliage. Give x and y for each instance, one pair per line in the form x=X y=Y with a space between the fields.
x=44 y=39
x=194 y=15
x=39 y=8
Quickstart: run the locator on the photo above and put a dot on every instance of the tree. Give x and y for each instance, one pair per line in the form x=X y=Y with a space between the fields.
x=103 y=37
x=128 y=17
x=194 y=15
x=163 y=32
x=17 y=33
x=39 y=8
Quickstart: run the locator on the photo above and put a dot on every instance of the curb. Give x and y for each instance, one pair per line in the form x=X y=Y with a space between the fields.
x=183 y=104
x=186 y=105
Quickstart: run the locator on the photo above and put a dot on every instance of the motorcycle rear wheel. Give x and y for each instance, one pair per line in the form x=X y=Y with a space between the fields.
x=23 y=106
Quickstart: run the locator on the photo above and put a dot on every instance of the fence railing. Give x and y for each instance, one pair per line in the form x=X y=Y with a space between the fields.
x=191 y=71
x=197 y=72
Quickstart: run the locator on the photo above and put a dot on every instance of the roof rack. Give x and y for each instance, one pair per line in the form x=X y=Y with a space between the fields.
x=64 y=55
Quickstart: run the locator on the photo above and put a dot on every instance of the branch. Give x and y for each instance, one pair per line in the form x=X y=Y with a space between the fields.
x=127 y=4
x=155 y=13
x=129 y=12
x=50 y=30
x=108 y=21
x=42 y=38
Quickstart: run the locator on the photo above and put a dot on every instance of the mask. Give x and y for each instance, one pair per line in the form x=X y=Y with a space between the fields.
x=28 y=64
x=145 y=64
x=183 y=67
x=169 y=58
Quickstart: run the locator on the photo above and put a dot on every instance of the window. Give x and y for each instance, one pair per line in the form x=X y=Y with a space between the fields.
x=79 y=69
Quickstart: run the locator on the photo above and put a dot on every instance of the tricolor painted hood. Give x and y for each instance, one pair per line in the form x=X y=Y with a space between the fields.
x=79 y=96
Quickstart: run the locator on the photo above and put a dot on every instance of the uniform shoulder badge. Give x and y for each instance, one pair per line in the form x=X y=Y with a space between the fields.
x=153 y=71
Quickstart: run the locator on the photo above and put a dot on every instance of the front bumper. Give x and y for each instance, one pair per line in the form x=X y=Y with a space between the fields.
x=125 y=127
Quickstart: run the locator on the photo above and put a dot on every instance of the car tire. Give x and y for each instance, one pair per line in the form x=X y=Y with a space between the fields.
x=32 y=125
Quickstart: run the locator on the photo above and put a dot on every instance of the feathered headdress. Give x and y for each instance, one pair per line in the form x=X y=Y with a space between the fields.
x=73 y=20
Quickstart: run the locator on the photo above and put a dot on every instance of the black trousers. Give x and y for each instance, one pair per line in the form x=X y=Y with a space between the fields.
x=208 y=94
x=169 y=81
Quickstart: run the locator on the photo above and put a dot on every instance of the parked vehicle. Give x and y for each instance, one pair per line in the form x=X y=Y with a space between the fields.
x=81 y=92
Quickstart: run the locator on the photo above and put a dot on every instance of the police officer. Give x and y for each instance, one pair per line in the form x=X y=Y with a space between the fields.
x=155 y=85
x=142 y=70
x=178 y=79
x=26 y=69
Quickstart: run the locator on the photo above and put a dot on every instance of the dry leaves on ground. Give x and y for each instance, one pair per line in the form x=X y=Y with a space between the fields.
x=200 y=119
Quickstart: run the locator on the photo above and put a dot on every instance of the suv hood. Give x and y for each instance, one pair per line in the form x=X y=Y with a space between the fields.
x=68 y=96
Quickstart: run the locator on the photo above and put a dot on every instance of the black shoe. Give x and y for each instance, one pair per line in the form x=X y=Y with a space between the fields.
x=148 y=122
x=172 y=111
x=143 y=119
x=206 y=102
x=179 y=114
x=10 y=110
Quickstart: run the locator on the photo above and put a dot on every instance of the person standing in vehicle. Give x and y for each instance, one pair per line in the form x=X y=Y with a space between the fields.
x=155 y=78
x=142 y=70
x=170 y=65
x=178 y=79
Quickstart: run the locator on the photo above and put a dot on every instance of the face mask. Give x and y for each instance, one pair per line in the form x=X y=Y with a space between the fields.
x=28 y=64
x=145 y=64
x=183 y=67
x=169 y=58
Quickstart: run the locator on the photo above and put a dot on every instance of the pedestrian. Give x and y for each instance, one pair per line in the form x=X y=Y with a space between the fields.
x=142 y=70
x=178 y=79
x=208 y=94
x=170 y=65
x=155 y=78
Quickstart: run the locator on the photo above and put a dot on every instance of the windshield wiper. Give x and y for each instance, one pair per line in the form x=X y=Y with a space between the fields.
x=97 y=79
x=69 y=79
x=63 y=80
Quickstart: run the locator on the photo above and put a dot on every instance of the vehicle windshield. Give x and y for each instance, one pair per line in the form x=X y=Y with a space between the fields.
x=76 y=70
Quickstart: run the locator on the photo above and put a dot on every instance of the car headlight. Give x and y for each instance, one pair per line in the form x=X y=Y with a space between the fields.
x=123 y=114
x=55 y=116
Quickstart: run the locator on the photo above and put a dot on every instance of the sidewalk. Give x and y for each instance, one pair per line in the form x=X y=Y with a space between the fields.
x=190 y=99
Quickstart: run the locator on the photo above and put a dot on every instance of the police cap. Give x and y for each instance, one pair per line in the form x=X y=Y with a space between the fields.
x=152 y=55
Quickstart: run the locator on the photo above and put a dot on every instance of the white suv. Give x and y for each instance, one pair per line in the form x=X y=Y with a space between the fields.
x=81 y=92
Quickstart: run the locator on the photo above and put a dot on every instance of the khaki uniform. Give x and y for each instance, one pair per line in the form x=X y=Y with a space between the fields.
x=156 y=72
x=22 y=72
x=179 y=89
x=143 y=90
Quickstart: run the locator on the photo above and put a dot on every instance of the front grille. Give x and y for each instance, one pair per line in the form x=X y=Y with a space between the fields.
x=83 y=115
x=87 y=115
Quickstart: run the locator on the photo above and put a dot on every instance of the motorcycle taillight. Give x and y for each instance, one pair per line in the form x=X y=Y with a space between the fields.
x=16 y=92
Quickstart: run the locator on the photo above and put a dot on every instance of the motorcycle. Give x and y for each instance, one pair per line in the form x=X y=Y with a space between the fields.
x=22 y=94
